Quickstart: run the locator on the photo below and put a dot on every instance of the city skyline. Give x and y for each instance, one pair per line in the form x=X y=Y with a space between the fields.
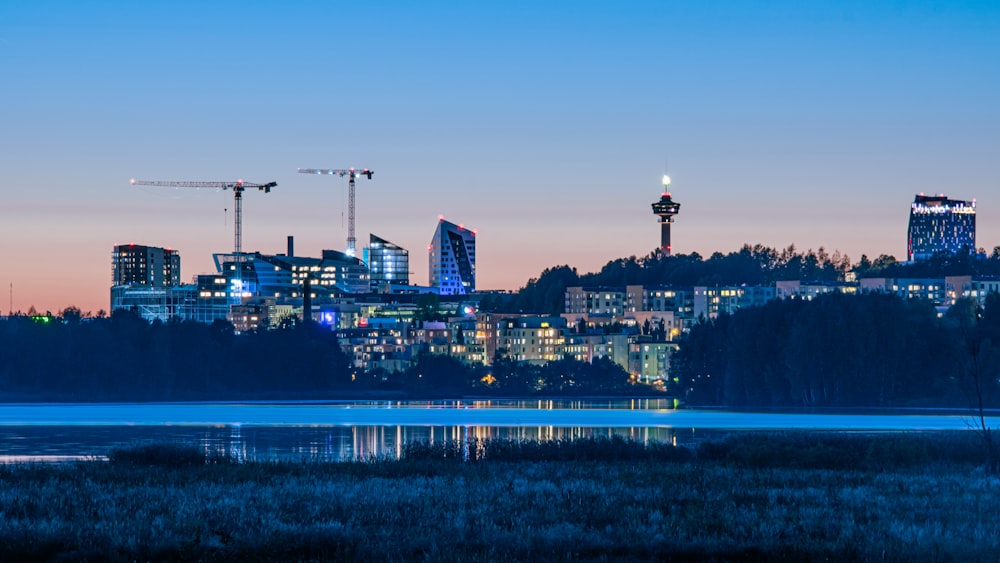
x=547 y=127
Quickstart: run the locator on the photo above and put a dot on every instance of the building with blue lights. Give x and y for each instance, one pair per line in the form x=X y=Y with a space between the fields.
x=940 y=225
x=452 y=257
x=388 y=263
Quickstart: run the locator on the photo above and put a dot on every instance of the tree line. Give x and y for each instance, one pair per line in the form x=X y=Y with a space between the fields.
x=126 y=358
x=750 y=265
x=841 y=350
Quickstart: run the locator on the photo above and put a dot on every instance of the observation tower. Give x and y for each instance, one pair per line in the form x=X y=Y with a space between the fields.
x=665 y=209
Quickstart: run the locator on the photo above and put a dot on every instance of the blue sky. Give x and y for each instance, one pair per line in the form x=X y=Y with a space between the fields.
x=544 y=125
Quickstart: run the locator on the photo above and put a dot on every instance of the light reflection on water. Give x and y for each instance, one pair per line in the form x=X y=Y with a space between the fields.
x=287 y=443
x=361 y=430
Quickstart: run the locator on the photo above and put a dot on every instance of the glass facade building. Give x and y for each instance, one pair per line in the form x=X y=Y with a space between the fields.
x=940 y=225
x=388 y=263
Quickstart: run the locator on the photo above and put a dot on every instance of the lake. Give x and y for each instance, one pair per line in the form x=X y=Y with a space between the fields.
x=337 y=431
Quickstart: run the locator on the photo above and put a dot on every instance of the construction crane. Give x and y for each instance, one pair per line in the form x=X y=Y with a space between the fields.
x=352 y=173
x=238 y=186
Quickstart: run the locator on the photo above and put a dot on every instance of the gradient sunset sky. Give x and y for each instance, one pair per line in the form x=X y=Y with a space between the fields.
x=546 y=126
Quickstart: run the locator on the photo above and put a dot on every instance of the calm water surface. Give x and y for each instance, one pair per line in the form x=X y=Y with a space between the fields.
x=336 y=431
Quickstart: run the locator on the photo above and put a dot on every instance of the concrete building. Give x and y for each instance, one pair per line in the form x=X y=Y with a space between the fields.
x=595 y=301
x=795 y=289
x=679 y=300
x=588 y=347
x=259 y=313
x=649 y=359
x=930 y=289
x=534 y=340
x=136 y=264
x=970 y=287
x=709 y=302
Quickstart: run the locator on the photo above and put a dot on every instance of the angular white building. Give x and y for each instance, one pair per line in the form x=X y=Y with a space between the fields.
x=452 y=257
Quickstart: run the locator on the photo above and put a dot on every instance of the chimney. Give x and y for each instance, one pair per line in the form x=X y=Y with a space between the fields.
x=291 y=246
x=307 y=302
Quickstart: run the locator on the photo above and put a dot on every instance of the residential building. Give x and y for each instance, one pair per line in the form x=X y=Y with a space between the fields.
x=452 y=259
x=969 y=287
x=136 y=264
x=588 y=347
x=595 y=301
x=679 y=300
x=929 y=289
x=709 y=302
x=649 y=359
x=533 y=339
x=795 y=289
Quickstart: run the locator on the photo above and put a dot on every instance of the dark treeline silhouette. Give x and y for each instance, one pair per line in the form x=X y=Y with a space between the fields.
x=751 y=265
x=843 y=350
x=125 y=358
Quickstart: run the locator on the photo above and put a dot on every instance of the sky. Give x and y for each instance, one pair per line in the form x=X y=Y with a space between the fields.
x=545 y=126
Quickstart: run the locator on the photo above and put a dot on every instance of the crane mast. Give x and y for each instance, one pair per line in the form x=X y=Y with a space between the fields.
x=238 y=187
x=351 y=173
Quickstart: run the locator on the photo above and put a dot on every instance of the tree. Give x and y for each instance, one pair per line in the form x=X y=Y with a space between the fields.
x=71 y=315
x=981 y=365
x=428 y=307
x=546 y=294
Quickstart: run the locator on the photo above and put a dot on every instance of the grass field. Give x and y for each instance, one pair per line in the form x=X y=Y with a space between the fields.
x=748 y=497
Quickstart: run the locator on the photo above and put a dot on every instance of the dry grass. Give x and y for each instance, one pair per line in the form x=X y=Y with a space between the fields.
x=443 y=509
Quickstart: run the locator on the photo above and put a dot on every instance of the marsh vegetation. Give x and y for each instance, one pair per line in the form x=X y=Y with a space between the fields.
x=743 y=497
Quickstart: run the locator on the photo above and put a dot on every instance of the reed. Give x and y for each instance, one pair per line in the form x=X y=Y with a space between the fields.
x=518 y=501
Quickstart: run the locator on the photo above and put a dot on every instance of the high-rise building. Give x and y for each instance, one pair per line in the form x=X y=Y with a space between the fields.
x=452 y=256
x=665 y=209
x=388 y=263
x=940 y=225
x=136 y=264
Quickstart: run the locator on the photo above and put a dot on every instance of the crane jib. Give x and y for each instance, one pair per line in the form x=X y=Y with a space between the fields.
x=217 y=185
